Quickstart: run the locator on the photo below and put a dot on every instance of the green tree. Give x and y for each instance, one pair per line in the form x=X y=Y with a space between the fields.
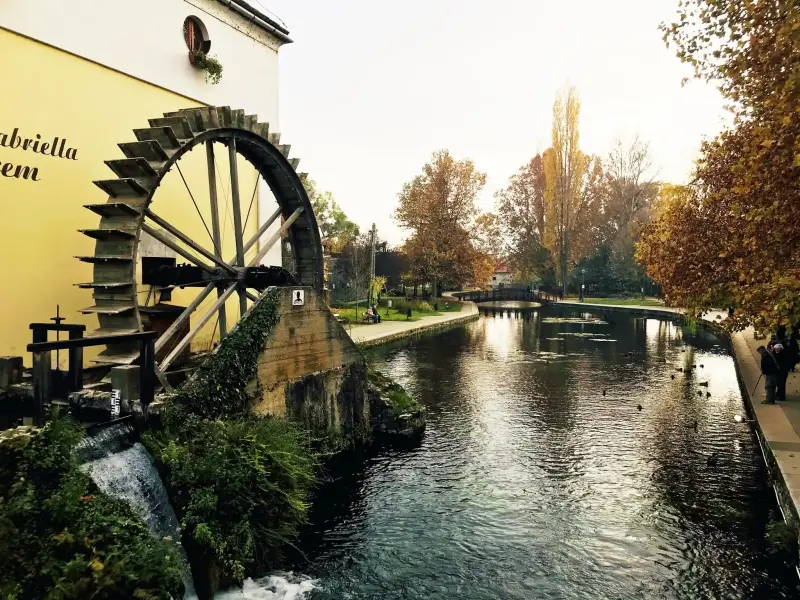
x=628 y=193
x=333 y=222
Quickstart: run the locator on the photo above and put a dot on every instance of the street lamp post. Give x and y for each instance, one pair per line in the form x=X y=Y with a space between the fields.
x=583 y=283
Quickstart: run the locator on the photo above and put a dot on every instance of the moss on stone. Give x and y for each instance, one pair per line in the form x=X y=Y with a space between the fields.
x=219 y=387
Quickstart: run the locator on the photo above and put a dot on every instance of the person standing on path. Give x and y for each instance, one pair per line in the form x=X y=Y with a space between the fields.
x=785 y=361
x=771 y=371
x=794 y=345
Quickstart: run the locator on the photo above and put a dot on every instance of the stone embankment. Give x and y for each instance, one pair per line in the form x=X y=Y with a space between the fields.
x=390 y=331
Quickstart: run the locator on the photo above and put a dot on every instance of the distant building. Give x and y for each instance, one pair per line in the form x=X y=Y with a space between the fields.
x=390 y=264
x=501 y=276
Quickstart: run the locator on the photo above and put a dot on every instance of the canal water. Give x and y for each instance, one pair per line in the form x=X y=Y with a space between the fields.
x=540 y=477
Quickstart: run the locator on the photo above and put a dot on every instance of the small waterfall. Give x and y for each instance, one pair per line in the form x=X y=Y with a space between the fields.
x=121 y=467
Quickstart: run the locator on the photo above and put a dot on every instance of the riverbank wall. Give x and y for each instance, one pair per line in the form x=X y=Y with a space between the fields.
x=775 y=426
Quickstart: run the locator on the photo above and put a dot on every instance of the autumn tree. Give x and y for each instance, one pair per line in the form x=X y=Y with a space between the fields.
x=743 y=227
x=331 y=219
x=487 y=247
x=438 y=208
x=629 y=191
x=681 y=249
x=521 y=214
x=571 y=182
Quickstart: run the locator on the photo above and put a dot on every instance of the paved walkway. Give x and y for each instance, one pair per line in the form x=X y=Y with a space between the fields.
x=779 y=424
x=388 y=331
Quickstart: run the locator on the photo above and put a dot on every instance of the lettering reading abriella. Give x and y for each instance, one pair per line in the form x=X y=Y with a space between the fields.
x=14 y=141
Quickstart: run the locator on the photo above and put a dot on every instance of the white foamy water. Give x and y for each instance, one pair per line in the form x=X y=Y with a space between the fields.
x=286 y=586
x=127 y=472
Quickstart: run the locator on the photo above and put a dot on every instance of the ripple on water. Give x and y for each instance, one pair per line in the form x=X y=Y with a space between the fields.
x=529 y=483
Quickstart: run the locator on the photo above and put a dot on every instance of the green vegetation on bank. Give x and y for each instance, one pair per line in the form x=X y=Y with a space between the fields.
x=239 y=487
x=238 y=483
x=400 y=401
x=217 y=389
x=60 y=537
x=399 y=310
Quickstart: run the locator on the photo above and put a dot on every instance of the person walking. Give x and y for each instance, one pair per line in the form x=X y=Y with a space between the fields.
x=771 y=371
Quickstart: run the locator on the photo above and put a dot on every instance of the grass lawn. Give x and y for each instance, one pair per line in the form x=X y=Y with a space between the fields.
x=355 y=318
x=620 y=301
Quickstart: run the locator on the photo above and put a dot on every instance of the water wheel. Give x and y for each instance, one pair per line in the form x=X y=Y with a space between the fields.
x=138 y=247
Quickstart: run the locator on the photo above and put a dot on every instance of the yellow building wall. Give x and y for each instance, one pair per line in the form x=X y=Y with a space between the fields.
x=54 y=94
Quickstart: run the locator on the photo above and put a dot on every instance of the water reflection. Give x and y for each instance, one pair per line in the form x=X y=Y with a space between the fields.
x=539 y=478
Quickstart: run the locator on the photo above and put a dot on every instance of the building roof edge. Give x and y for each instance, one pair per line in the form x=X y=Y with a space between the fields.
x=258 y=18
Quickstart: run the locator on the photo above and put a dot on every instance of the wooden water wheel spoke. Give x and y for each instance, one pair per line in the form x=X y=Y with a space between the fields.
x=205 y=318
x=189 y=242
x=217 y=237
x=196 y=207
x=261 y=231
x=275 y=237
x=172 y=245
x=130 y=219
x=237 y=220
x=184 y=316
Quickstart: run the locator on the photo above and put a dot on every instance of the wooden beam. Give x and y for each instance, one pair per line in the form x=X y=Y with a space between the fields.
x=212 y=193
x=196 y=329
x=189 y=242
x=170 y=244
x=237 y=220
x=249 y=244
x=275 y=237
x=187 y=312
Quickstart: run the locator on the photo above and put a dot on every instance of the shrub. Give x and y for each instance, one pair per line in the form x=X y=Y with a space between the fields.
x=401 y=402
x=239 y=483
x=60 y=537
x=400 y=304
x=423 y=307
x=239 y=487
x=782 y=540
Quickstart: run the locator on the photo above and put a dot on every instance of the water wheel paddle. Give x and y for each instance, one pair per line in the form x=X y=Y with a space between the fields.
x=130 y=219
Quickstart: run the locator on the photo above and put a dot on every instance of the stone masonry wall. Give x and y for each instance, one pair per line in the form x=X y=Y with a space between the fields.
x=310 y=369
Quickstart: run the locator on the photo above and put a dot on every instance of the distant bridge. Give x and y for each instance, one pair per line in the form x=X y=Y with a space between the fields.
x=523 y=294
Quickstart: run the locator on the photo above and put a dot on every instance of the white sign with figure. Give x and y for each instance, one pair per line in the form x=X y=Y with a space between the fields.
x=115 y=394
x=298 y=297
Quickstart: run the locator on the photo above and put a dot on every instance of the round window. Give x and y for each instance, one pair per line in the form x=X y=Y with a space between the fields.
x=195 y=35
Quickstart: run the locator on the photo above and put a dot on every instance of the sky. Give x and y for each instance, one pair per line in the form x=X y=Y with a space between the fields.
x=369 y=90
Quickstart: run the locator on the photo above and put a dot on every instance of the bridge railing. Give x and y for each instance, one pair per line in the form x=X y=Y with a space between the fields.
x=505 y=293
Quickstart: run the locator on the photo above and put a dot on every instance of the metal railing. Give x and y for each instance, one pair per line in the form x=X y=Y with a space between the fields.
x=42 y=368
